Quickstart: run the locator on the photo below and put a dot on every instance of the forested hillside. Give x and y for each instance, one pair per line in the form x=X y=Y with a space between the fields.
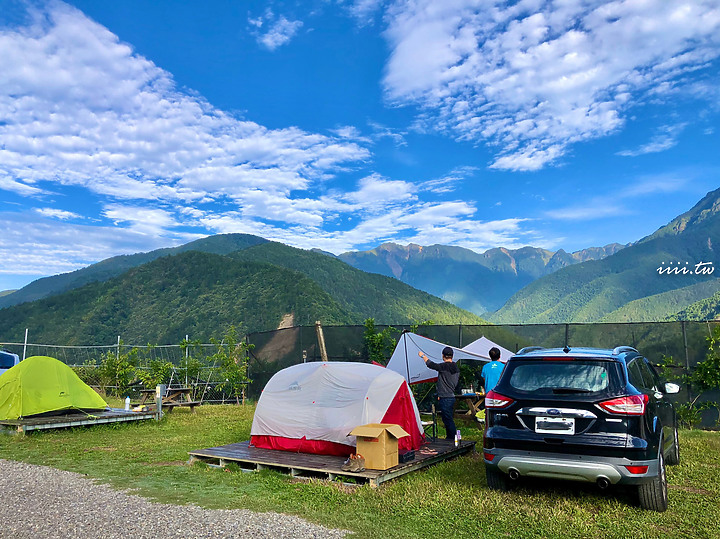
x=366 y=295
x=220 y=244
x=590 y=291
x=202 y=294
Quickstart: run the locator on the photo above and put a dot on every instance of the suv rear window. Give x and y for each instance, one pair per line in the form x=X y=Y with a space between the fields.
x=564 y=377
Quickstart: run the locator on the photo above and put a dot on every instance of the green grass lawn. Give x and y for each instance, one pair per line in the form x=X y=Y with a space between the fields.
x=150 y=458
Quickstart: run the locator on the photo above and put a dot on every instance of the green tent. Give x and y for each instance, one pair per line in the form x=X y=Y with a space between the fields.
x=43 y=384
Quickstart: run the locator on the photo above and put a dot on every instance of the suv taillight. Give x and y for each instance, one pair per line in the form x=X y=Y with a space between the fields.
x=496 y=400
x=629 y=405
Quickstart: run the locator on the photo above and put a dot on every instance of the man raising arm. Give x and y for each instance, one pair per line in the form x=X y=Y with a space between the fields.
x=448 y=377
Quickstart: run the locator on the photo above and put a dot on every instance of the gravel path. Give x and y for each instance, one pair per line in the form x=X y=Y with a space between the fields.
x=41 y=502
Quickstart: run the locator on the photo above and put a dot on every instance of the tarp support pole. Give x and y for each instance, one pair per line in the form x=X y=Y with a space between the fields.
x=321 y=341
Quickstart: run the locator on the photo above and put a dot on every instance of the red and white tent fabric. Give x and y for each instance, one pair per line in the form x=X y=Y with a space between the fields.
x=482 y=348
x=407 y=362
x=311 y=407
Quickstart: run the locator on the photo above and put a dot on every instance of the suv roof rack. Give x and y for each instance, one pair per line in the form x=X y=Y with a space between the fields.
x=528 y=349
x=620 y=349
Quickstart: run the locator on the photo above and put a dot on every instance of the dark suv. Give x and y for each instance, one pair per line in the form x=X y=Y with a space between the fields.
x=582 y=414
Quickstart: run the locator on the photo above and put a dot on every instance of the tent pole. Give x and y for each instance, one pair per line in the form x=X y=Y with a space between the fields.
x=407 y=363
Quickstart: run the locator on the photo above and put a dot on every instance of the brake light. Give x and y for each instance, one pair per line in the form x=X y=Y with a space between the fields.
x=496 y=400
x=628 y=405
x=488 y=456
x=637 y=469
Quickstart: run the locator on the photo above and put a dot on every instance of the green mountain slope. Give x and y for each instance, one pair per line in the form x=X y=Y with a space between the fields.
x=705 y=309
x=200 y=294
x=473 y=281
x=366 y=295
x=665 y=305
x=112 y=267
x=589 y=291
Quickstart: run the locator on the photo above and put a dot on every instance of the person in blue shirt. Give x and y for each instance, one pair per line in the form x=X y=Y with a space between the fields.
x=448 y=377
x=491 y=371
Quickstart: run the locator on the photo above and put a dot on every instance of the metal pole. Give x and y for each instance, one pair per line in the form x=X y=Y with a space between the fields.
x=460 y=336
x=687 y=353
x=25 y=345
x=117 y=354
x=159 y=394
x=187 y=355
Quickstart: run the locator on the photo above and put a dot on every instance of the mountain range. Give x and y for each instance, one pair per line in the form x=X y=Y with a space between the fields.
x=226 y=279
x=477 y=282
x=202 y=294
x=650 y=280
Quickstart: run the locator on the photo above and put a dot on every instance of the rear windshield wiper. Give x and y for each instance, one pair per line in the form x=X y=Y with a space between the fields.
x=570 y=390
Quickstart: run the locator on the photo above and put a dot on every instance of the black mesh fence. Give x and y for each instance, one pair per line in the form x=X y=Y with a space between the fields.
x=684 y=342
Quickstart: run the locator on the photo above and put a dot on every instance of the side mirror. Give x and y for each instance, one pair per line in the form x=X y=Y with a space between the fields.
x=671 y=389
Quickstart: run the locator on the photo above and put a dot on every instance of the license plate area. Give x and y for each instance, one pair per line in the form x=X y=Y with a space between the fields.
x=555 y=425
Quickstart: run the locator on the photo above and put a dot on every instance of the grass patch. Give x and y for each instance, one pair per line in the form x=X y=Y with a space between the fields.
x=150 y=458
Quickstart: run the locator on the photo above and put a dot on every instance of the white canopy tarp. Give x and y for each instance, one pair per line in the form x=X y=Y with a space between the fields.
x=406 y=361
x=482 y=348
x=326 y=400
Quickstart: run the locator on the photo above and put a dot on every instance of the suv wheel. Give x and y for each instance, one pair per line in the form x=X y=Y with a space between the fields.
x=674 y=456
x=653 y=495
x=496 y=480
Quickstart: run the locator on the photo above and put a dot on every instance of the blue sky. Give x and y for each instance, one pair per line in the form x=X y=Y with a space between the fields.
x=128 y=126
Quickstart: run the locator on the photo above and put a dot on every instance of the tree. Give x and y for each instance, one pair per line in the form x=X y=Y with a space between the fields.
x=232 y=356
x=378 y=345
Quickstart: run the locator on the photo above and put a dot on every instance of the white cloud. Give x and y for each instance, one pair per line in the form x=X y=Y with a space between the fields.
x=447 y=183
x=280 y=30
x=377 y=193
x=611 y=205
x=80 y=109
x=141 y=220
x=382 y=131
x=666 y=138
x=36 y=246
x=82 y=112
x=535 y=76
x=58 y=214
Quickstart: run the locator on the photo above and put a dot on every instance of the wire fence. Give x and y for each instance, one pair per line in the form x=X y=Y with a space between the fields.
x=271 y=351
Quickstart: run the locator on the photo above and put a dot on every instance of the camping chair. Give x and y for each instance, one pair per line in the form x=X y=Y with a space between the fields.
x=429 y=422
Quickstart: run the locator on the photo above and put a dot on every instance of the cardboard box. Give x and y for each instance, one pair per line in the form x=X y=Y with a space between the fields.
x=378 y=444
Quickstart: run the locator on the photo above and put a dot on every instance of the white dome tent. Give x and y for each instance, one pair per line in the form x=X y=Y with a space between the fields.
x=312 y=407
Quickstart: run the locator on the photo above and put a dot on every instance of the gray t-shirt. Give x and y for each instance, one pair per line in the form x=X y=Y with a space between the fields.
x=448 y=377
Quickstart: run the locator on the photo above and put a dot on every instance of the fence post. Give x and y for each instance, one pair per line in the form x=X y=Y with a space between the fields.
x=159 y=394
x=687 y=353
x=117 y=353
x=25 y=345
x=187 y=356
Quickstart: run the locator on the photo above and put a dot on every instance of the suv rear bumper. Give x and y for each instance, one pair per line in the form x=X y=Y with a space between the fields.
x=570 y=467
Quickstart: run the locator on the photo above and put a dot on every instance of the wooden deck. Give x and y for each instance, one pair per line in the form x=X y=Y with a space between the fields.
x=75 y=419
x=306 y=465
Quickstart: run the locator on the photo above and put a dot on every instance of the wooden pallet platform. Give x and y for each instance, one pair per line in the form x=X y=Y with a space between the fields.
x=75 y=419
x=324 y=466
